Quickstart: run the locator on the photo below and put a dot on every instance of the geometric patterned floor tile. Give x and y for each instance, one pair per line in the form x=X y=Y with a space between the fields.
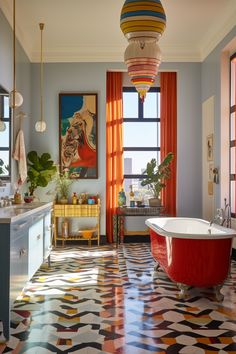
x=106 y=300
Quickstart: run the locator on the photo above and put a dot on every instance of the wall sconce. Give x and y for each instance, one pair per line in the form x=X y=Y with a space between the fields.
x=215 y=175
x=15 y=98
x=40 y=126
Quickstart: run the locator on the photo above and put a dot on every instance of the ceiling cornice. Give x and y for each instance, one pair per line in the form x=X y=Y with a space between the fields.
x=97 y=53
x=216 y=36
x=81 y=54
x=7 y=10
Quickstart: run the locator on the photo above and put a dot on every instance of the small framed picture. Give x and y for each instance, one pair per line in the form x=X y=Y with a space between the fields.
x=210 y=147
x=210 y=188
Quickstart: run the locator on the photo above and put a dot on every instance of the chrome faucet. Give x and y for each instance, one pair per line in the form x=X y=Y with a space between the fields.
x=211 y=222
x=5 y=201
x=223 y=216
x=227 y=214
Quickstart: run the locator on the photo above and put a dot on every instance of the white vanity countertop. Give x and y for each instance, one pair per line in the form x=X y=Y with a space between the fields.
x=17 y=211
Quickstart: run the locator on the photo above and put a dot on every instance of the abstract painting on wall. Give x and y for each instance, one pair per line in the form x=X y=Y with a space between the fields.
x=78 y=126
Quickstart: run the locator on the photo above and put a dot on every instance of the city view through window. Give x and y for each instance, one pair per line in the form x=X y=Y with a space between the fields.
x=141 y=137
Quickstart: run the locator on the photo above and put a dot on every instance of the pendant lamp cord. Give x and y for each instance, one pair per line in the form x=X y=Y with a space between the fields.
x=14 y=56
x=41 y=26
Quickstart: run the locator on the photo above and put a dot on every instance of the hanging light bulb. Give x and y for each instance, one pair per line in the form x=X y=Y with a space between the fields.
x=40 y=125
x=15 y=98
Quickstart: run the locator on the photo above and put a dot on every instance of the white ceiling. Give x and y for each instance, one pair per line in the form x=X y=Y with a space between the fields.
x=89 y=30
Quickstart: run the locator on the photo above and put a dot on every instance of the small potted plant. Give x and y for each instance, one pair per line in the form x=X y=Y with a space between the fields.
x=156 y=176
x=63 y=183
x=41 y=170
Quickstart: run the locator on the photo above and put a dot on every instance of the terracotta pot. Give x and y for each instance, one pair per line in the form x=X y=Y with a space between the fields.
x=154 y=202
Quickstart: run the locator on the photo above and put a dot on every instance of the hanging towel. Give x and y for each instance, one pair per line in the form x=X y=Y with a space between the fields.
x=19 y=155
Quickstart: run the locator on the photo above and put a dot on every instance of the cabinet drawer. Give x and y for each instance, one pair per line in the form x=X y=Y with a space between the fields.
x=35 y=257
x=82 y=210
x=59 y=210
x=18 y=265
x=19 y=227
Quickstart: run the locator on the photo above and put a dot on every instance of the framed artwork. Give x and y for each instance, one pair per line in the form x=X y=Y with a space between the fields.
x=210 y=147
x=78 y=127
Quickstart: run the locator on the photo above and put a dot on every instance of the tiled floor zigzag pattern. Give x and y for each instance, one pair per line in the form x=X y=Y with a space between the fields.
x=103 y=300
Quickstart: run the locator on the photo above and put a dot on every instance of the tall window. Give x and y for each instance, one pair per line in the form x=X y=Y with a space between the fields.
x=5 y=136
x=233 y=135
x=141 y=134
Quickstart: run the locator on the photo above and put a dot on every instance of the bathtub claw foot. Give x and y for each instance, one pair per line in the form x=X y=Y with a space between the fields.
x=218 y=295
x=183 y=291
x=156 y=267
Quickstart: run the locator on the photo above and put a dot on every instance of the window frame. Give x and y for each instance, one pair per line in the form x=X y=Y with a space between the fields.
x=4 y=93
x=140 y=120
x=232 y=143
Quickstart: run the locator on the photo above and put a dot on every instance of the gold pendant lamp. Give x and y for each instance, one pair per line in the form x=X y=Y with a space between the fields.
x=16 y=98
x=40 y=125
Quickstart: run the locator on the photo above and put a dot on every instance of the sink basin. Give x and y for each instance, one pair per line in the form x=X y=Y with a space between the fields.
x=22 y=206
x=22 y=210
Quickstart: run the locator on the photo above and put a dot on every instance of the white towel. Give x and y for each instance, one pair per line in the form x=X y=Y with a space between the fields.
x=19 y=155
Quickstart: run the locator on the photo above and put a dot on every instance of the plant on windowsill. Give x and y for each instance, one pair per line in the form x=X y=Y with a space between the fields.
x=156 y=176
x=41 y=170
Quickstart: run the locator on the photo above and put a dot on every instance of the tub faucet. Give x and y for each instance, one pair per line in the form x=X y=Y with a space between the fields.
x=211 y=222
x=227 y=214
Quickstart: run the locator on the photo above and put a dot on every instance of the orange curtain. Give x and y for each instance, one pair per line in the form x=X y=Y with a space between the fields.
x=114 y=147
x=168 y=83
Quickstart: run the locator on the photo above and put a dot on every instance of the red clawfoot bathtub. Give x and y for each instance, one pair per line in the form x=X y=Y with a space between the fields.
x=191 y=252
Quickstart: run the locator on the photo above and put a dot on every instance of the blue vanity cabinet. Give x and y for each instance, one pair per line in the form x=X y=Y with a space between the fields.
x=22 y=250
x=5 y=277
x=19 y=257
x=13 y=265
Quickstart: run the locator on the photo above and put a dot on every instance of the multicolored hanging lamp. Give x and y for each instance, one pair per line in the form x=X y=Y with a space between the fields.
x=142 y=22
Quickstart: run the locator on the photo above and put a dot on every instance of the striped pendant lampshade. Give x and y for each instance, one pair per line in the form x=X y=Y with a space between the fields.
x=142 y=22
x=142 y=65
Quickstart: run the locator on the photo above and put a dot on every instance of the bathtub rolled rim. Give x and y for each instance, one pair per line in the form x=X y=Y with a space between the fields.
x=225 y=232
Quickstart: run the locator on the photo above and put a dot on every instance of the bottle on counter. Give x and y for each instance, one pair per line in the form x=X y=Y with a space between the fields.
x=131 y=196
x=121 y=198
x=74 y=198
x=17 y=197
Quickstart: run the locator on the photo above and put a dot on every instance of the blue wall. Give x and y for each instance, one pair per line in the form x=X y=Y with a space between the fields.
x=211 y=86
x=23 y=78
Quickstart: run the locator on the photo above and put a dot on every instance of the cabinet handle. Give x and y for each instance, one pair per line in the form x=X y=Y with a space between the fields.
x=38 y=237
x=22 y=252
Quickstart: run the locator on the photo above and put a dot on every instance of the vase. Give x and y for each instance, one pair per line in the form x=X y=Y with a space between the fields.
x=64 y=200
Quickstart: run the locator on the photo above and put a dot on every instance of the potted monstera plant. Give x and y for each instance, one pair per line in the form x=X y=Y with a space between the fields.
x=156 y=176
x=41 y=170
